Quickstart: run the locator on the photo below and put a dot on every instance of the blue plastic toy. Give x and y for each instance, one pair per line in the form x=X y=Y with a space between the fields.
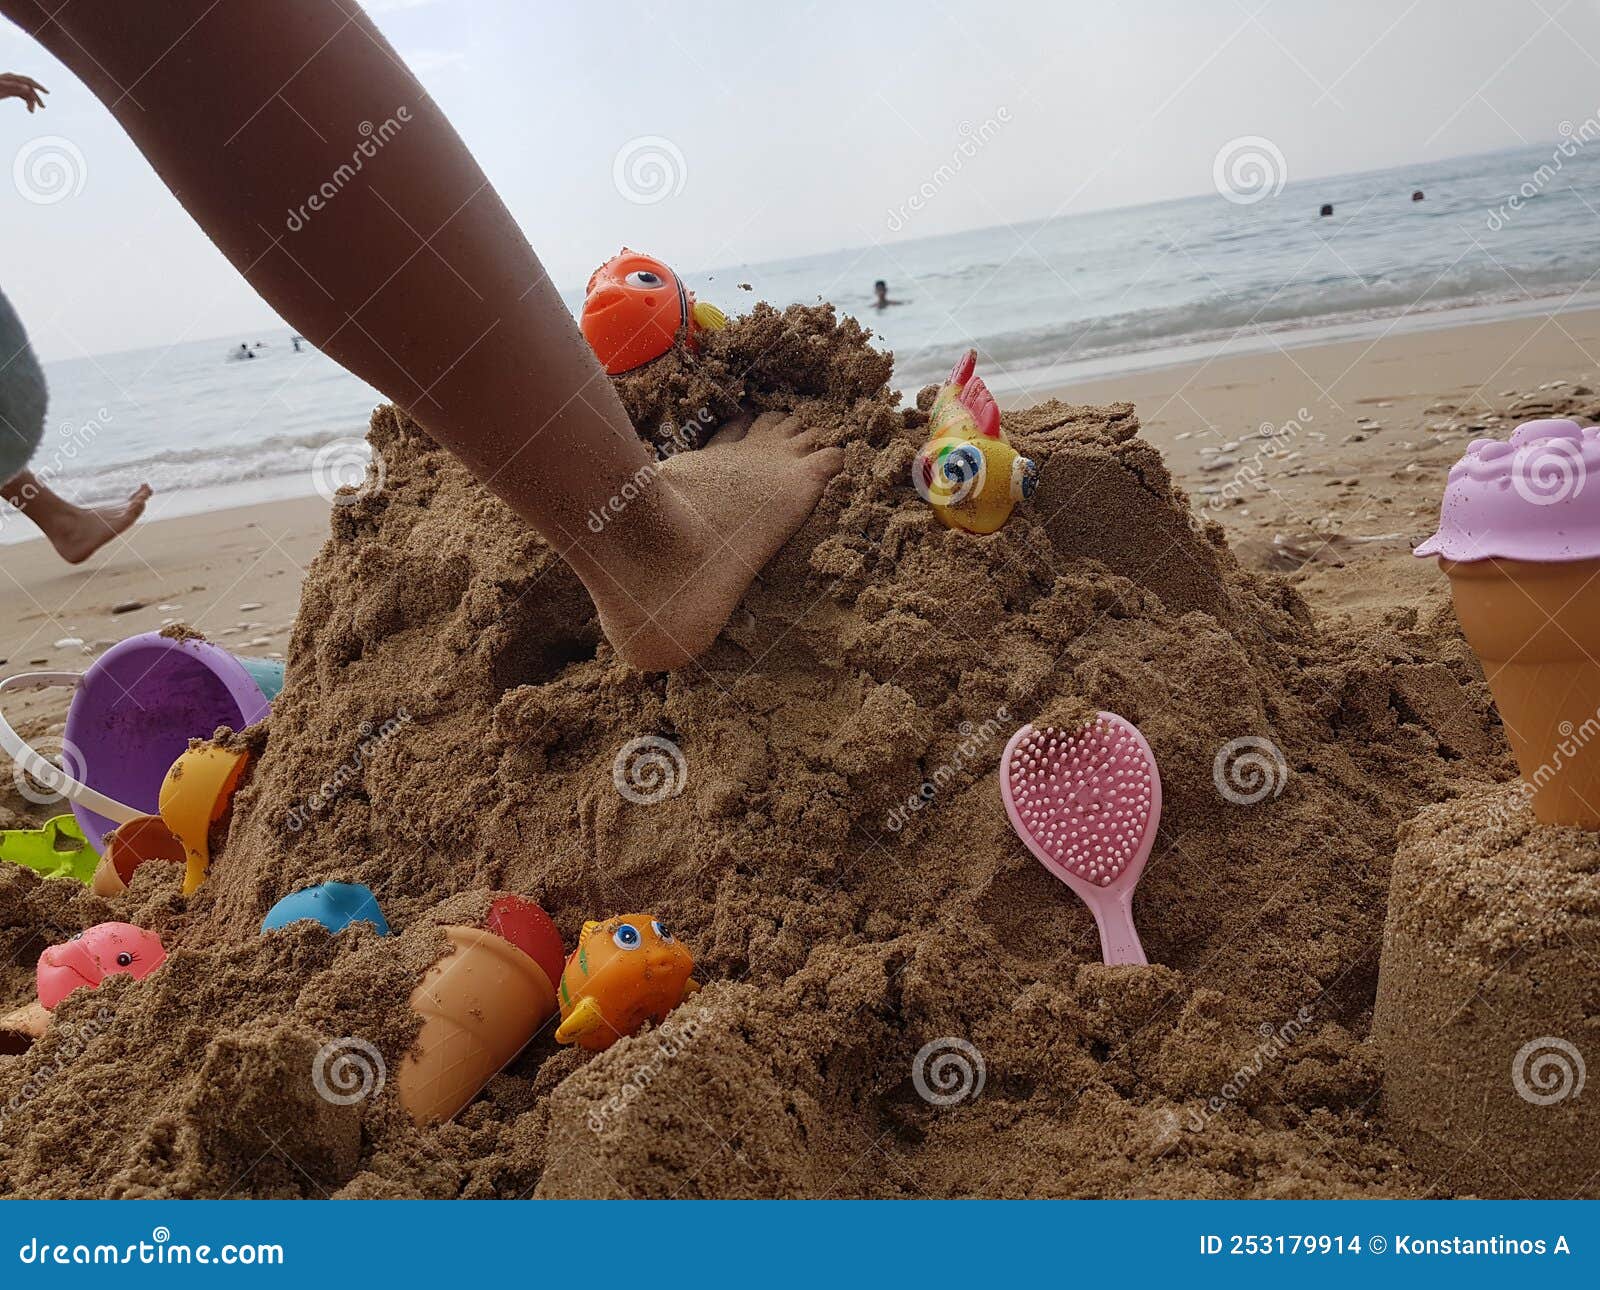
x=333 y=904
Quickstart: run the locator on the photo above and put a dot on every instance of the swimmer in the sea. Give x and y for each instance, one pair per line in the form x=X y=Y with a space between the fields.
x=420 y=282
x=880 y=295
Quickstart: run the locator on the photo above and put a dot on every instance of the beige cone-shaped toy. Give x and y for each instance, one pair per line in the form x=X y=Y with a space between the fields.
x=1519 y=537
x=480 y=1005
x=1536 y=630
x=20 y=1029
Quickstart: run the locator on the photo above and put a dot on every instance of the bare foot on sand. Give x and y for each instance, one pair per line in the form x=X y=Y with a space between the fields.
x=79 y=532
x=726 y=509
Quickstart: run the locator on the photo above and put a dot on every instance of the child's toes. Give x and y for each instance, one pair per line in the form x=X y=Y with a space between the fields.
x=731 y=431
x=824 y=464
x=808 y=438
x=774 y=425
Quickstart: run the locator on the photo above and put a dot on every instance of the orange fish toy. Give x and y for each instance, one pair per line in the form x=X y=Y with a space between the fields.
x=625 y=971
x=635 y=308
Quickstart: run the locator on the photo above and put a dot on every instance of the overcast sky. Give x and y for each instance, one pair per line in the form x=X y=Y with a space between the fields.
x=788 y=128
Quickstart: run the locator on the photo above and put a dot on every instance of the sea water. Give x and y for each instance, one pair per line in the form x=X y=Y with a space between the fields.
x=1045 y=303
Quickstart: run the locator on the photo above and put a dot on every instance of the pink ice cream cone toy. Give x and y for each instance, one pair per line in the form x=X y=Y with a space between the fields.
x=1519 y=537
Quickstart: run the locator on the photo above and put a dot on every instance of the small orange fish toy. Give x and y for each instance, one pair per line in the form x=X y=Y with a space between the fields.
x=634 y=309
x=625 y=971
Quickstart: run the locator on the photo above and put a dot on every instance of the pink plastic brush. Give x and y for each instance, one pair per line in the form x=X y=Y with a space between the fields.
x=1087 y=803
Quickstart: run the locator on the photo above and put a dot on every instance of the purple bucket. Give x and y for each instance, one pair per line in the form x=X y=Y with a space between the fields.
x=141 y=702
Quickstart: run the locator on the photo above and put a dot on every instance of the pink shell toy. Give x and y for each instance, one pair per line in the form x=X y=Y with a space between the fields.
x=1534 y=498
x=1087 y=802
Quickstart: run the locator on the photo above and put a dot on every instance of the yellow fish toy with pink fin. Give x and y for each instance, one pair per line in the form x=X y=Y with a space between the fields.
x=968 y=471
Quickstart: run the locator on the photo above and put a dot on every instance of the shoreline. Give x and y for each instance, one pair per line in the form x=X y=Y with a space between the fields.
x=1032 y=384
x=235 y=575
x=1375 y=425
x=1015 y=386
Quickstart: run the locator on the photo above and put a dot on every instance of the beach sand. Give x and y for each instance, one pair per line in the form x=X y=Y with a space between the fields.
x=233 y=575
x=838 y=948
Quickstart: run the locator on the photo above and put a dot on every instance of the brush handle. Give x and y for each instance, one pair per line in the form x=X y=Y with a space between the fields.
x=1119 y=942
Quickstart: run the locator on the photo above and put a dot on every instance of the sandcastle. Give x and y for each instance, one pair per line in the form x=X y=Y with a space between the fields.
x=1485 y=1006
x=895 y=1003
x=1486 y=1002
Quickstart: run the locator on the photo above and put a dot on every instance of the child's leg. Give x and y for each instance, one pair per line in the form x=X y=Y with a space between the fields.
x=76 y=532
x=412 y=274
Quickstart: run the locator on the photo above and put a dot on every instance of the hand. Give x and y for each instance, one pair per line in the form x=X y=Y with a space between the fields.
x=13 y=85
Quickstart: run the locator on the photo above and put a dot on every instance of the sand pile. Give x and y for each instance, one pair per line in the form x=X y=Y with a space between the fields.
x=451 y=727
x=1487 y=1004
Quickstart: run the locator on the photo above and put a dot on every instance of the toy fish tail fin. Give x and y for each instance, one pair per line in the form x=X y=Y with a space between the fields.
x=583 y=1019
x=708 y=316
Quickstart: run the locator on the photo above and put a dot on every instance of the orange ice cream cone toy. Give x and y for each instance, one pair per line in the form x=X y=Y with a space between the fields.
x=480 y=1005
x=1519 y=537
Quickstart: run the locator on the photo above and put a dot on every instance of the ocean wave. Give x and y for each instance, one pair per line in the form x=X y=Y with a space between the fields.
x=175 y=469
x=1319 y=302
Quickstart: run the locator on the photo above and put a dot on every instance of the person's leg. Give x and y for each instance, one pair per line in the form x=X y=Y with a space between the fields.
x=76 y=532
x=410 y=272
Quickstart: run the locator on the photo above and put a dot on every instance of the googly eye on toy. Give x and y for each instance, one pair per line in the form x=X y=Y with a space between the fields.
x=1024 y=479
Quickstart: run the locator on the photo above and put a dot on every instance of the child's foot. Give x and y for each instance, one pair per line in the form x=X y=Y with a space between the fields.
x=729 y=506
x=83 y=530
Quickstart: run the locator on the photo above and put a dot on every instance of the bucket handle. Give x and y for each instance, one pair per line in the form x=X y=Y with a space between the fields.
x=45 y=771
